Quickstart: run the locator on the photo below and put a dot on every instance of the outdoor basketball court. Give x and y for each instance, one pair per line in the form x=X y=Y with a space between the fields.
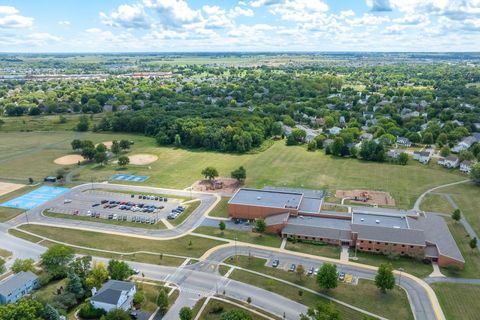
x=128 y=177
x=35 y=198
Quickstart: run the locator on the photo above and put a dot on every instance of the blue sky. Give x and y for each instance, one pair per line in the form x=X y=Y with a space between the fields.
x=248 y=25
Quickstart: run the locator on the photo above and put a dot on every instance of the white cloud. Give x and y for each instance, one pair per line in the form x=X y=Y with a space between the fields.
x=368 y=20
x=64 y=23
x=174 y=13
x=238 y=11
x=9 y=18
x=379 y=5
x=127 y=16
x=299 y=10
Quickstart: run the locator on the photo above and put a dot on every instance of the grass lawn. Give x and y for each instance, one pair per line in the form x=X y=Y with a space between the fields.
x=185 y=214
x=317 y=249
x=43 y=122
x=221 y=209
x=4 y=253
x=458 y=301
x=98 y=240
x=412 y=266
x=242 y=236
x=25 y=236
x=213 y=307
x=436 y=203
x=158 y=225
x=47 y=293
x=365 y=295
x=150 y=292
x=472 y=257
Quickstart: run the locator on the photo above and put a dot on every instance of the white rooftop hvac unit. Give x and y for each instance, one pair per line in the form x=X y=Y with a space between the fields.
x=259 y=198
x=377 y=221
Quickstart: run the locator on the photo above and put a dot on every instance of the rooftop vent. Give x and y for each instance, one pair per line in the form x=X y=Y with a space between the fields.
x=259 y=198
x=396 y=227
x=362 y=219
x=377 y=221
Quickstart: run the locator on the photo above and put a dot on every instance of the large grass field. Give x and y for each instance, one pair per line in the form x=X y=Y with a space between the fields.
x=436 y=203
x=26 y=154
x=104 y=241
x=318 y=249
x=365 y=295
x=44 y=122
x=458 y=301
x=269 y=240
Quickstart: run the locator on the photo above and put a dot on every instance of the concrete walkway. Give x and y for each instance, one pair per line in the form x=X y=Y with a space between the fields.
x=452 y=280
x=344 y=255
x=436 y=271
x=284 y=243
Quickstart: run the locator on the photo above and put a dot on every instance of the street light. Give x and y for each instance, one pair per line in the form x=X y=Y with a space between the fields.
x=400 y=277
x=235 y=246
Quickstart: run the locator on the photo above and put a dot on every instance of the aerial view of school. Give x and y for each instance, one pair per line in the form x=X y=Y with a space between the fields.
x=169 y=160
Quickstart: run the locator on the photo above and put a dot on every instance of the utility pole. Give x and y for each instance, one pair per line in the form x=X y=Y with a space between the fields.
x=400 y=277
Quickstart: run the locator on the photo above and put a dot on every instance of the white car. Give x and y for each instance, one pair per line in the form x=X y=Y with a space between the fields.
x=67 y=201
x=89 y=213
x=115 y=217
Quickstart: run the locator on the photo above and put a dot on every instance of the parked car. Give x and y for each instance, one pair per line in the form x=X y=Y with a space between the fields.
x=275 y=263
x=292 y=267
x=67 y=201
x=95 y=204
x=104 y=201
x=341 y=276
x=311 y=271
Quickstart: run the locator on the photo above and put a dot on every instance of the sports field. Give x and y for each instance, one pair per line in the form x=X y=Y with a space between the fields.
x=32 y=154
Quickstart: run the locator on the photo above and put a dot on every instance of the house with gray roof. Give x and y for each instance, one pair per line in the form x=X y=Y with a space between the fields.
x=114 y=295
x=17 y=286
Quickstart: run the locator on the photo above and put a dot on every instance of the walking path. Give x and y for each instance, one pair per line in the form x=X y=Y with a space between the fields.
x=344 y=255
x=436 y=271
x=420 y=199
x=451 y=280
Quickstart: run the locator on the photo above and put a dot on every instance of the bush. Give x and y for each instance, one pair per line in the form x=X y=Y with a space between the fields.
x=216 y=308
x=44 y=279
x=87 y=311
x=138 y=298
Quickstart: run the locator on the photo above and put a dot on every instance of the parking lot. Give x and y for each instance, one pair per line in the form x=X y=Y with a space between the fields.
x=147 y=209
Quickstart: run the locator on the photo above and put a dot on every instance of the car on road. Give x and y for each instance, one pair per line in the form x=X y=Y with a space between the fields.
x=95 y=205
x=292 y=268
x=341 y=276
x=311 y=271
x=275 y=263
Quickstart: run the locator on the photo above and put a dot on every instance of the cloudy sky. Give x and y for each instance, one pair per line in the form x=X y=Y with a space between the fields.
x=230 y=25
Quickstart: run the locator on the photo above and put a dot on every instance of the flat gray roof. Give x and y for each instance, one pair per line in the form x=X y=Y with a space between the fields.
x=276 y=219
x=320 y=222
x=15 y=282
x=436 y=232
x=310 y=205
x=318 y=232
x=378 y=220
x=266 y=198
x=391 y=235
x=307 y=193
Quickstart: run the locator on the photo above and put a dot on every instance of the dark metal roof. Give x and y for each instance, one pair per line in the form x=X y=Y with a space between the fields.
x=318 y=232
x=111 y=291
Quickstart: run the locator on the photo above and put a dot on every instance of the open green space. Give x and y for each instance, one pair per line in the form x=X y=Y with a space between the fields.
x=47 y=293
x=191 y=206
x=158 y=225
x=25 y=236
x=26 y=154
x=214 y=309
x=44 y=122
x=268 y=240
x=318 y=249
x=184 y=246
x=472 y=257
x=365 y=295
x=415 y=267
x=221 y=209
x=7 y=214
x=436 y=203
x=4 y=253
x=458 y=301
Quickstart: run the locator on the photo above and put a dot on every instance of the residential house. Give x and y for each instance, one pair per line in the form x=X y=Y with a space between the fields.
x=404 y=142
x=422 y=156
x=17 y=286
x=449 y=162
x=114 y=295
x=464 y=144
x=466 y=166
x=368 y=115
x=327 y=142
x=342 y=121
x=393 y=154
x=366 y=136
x=477 y=126
x=334 y=130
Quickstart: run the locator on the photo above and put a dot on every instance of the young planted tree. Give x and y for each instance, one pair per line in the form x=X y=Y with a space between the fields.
x=123 y=161
x=124 y=144
x=240 y=174
x=300 y=271
x=385 y=280
x=101 y=158
x=56 y=259
x=327 y=276
x=221 y=226
x=162 y=301
x=456 y=215
x=260 y=225
x=473 y=243
x=403 y=158
x=210 y=173
x=74 y=285
x=97 y=276
x=186 y=313
x=115 y=147
x=475 y=174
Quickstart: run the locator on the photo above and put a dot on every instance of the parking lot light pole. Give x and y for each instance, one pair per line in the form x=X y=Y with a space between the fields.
x=235 y=246
x=400 y=277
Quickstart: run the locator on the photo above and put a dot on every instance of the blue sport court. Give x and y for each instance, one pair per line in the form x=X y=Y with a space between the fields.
x=128 y=177
x=35 y=198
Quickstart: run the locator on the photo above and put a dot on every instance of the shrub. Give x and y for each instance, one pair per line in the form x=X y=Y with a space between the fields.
x=87 y=311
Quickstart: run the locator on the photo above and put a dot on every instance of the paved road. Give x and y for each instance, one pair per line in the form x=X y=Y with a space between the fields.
x=195 y=219
x=20 y=248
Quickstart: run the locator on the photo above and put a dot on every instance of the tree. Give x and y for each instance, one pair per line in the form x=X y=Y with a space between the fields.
x=2 y=266
x=50 y=313
x=115 y=147
x=23 y=265
x=76 y=144
x=210 y=173
x=235 y=314
x=300 y=270
x=465 y=155
x=221 y=225
x=475 y=174
x=119 y=270
x=442 y=139
x=473 y=243
x=177 y=141
x=125 y=144
x=240 y=174
x=56 y=259
x=337 y=146
x=323 y=311
x=123 y=161
x=186 y=313
x=456 y=215
x=101 y=158
x=81 y=266
x=312 y=145
x=445 y=151
x=24 y=309
x=385 y=280
x=101 y=148
x=138 y=297
x=327 y=276
x=162 y=301
x=403 y=158
x=260 y=225
x=83 y=124
x=427 y=138
x=97 y=276
x=116 y=314
x=88 y=153
x=74 y=285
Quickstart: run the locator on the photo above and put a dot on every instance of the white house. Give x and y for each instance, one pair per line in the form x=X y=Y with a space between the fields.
x=449 y=162
x=334 y=130
x=422 y=156
x=464 y=144
x=114 y=295
x=393 y=154
x=466 y=166
x=405 y=142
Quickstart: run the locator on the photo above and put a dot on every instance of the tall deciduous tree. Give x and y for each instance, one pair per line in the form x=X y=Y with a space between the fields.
x=210 y=173
x=56 y=259
x=118 y=270
x=327 y=276
x=385 y=280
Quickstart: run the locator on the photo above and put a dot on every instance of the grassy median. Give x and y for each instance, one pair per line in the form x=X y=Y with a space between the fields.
x=458 y=301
